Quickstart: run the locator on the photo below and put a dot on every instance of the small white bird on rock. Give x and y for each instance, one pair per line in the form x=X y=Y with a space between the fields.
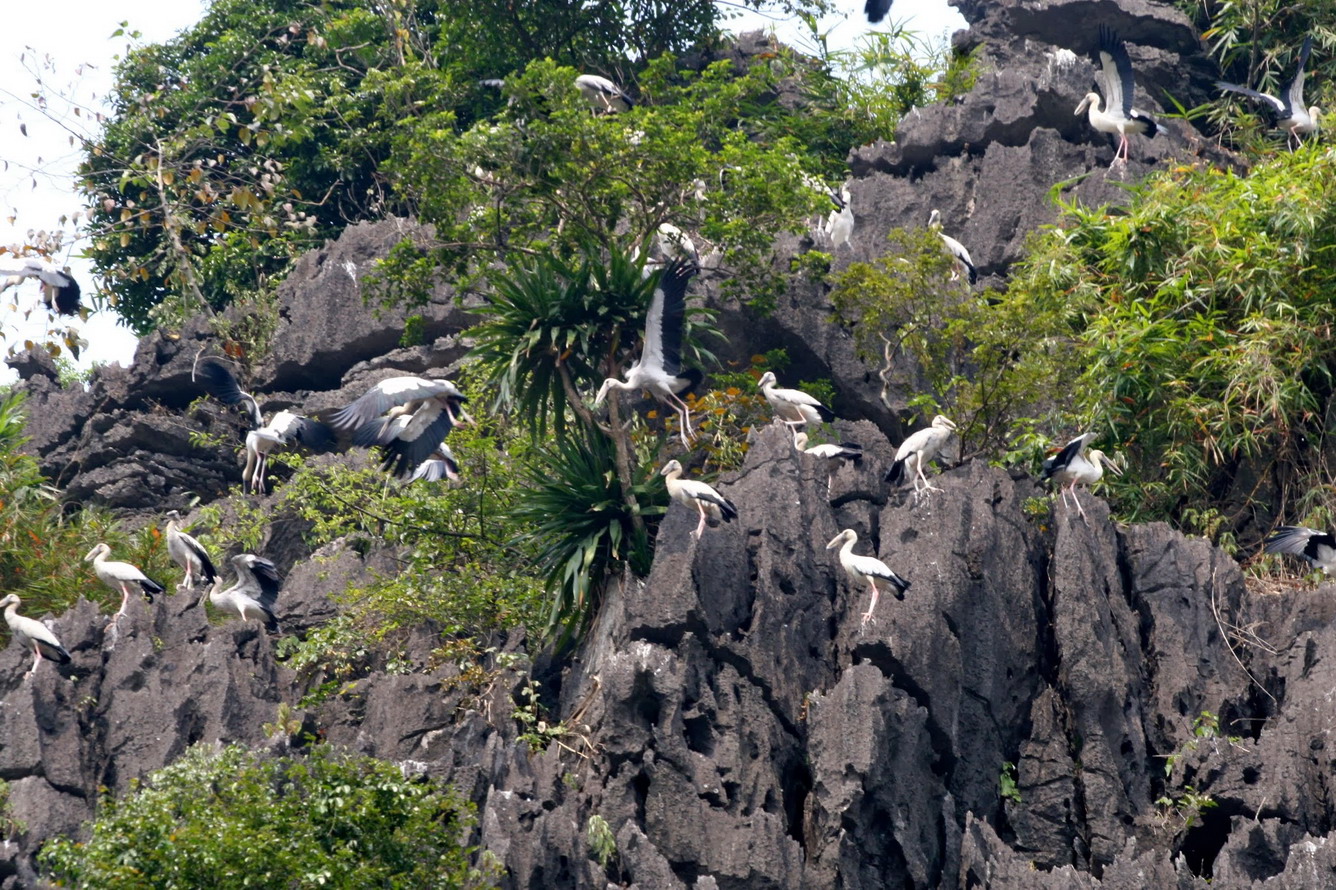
x=34 y=633
x=254 y=594
x=713 y=507
x=867 y=569
x=121 y=576
x=793 y=406
x=832 y=455
x=1073 y=466
x=188 y=553
x=916 y=451
x=1117 y=116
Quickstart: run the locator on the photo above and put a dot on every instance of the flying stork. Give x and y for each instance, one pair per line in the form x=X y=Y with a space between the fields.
x=32 y=632
x=407 y=416
x=876 y=10
x=713 y=507
x=254 y=594
x=603 y=95
x=120 y=576
x=659 y=369
x=440 y=464
x=918 y=450
x=283 y=428
x=1117 y=115
x=1318 y=548
x=953 y=247
x=60 y=291
x=866 y=569
x=1291 y=115
x=830 y=454
x=793 y=406
x=188 y=553
x=1073 y=466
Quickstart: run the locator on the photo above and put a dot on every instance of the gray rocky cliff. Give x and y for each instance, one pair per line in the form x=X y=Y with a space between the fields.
x=727 y=716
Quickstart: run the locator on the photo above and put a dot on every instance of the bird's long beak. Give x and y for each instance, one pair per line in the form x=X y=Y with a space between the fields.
x=1085 y=103
x=1111 y=465
x=839 y=539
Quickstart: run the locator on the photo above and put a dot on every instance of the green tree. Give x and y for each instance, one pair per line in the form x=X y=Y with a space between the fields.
x=236 y=818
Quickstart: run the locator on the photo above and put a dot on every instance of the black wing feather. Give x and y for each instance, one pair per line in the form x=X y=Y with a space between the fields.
x=53 y=651
x=206 y=565
x=403 y=457
x=1063 y=458
x=1110 y=43
x=66 y=301
x=876 y=10
x=220 y=383
x=673 y=284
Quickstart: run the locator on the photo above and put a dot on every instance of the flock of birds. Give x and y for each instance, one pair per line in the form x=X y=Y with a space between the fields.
x=409 y=418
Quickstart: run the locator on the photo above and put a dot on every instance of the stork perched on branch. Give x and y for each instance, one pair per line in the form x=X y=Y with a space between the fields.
x=121 y=576
x=283 y=429
x=1289 y=110
x=1073 y=466
x=407 y=416
x=254 y=594
x=659 y=370
x=713 y=507
x=1117 y=114
x=188 y=553
x=867 y=569
x=60 y=291
x=34 y=633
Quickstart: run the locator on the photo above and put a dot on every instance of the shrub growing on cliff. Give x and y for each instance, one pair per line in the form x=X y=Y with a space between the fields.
x=235 y=818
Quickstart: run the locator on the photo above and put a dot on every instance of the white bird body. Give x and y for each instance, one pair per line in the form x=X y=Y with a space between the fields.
x=121 y=576
x=659 y=370
x=188 y=553
x=603 y=95
x=390 y=393
x=793 y=406
x=283 y=429
x=866 y=569
x=34 y=633
x=440 y=465
x=840 y=223
x=713 y=507
x=1317 y=547
x=917 y=451
x=59 y=290
x=1118 y=115
x=833 y=455
x=255 y=593
x=1291 y=115
x=953 y=247
x=1073 y=466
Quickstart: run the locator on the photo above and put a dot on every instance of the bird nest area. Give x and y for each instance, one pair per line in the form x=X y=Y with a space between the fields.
x=1274 y=585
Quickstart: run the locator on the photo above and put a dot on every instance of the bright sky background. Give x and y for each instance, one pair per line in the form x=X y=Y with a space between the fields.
x=68 y=43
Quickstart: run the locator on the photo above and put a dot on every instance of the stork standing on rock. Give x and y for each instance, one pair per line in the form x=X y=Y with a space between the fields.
x=32 y=632
x=793 y=406
x=1317 y=547
x=188 y=553
x=1073 y=466
x=918 y=450
x=1117 y=115
x=283 y=429
x=254 y=594
x=1291 y=115
x=659 y=370
x=866 y=569
x=120 y=576
x=830 y=454
x=953 y=247
x=713 y=507
x=60 y=291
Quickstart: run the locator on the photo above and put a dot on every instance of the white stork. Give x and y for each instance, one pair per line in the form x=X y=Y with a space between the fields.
x=1318 y=548
x=918 y=450
x=1118 y=115
x=283 y=428
x=866 y=569
x=714 y=508
x=953 y=247
x=254 y=594
x=832 y=455
x=1073 y=466
x=670 y=243
x=407 y=416
x=32 y=632
x=1291 y=115
x=840 y=223
x=876 y=10
x=440 y=464
x=603 y=95
x=793 y=406
x=60 y=291
x=659 y=369
x=188 y=553
x=120 y=576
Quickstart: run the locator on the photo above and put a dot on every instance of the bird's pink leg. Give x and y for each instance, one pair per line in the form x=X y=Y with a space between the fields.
x=927 y=486
x=682 y=409
x=37 y=653
x=700 y=526
x=867 y=616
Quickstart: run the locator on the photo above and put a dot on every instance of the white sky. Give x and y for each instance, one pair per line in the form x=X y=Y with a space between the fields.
x=69 y=45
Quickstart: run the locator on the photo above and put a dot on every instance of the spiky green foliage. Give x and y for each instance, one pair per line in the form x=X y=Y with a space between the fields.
x=235 y=818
